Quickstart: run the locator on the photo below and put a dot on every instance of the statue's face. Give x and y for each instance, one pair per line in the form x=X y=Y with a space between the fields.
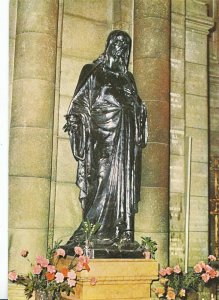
x=118 y=49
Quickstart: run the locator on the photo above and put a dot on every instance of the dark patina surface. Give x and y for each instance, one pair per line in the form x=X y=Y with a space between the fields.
x=107 y=125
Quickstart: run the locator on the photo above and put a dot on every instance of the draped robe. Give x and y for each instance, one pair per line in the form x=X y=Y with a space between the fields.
x=107 y=133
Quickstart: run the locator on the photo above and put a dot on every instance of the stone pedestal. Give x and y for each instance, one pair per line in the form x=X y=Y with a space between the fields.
x=116 y=279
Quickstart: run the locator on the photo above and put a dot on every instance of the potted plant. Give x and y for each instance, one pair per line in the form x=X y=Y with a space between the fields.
x=45 y=279
x=149 y=247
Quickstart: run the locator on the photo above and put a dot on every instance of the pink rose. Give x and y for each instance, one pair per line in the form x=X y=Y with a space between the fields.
x=59 y=277
x=79 y=266
x=202 y=264
x=84 y=259
x=37 y=269
x=78 y=250
x=72 y=274
x=12 y=276
x=177 y=269
x=93 y=281
x=205 y=277
x=24 y=253
x=207 y=268
x=197 y=268
x=60 y=252
x=169 y=270
x=163 y=272
x=71 y=282
x=42 y=261
x=211 y=257
x=51 y=269
x=212 y=273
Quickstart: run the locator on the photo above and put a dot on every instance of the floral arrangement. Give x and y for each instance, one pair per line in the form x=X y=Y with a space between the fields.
x=45 y=276
x=175 y=283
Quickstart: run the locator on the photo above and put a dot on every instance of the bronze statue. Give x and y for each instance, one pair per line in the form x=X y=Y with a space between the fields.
x=107 y=125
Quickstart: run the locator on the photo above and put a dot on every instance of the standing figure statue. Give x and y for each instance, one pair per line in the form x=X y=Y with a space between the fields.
x=107 y=125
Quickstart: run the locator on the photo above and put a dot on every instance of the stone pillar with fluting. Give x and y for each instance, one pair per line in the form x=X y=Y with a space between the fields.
x=31 y=129
x=151 y=71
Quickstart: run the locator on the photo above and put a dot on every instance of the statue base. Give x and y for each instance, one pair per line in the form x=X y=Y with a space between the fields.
x=117 y=253
x=118 y=279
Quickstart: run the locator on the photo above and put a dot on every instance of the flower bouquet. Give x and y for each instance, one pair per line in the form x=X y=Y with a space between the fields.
x=46 y=279
x=175 y=283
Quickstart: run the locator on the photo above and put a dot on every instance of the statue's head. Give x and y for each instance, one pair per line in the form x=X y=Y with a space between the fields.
x=117 y=51
x=118 y=48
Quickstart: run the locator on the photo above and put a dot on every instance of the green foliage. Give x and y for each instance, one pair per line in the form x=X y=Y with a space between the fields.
x=148 y=244
x=90 y=229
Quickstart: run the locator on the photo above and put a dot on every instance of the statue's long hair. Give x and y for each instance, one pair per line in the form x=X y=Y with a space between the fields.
x=111 y=38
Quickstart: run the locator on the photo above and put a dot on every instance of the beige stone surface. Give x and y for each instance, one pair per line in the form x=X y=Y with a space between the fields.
x=26 y=193
x=68 y=210
x=196 y=79
x=30 y=152
x=162 y=244
x=214 y=118
x=16 y=292
x=214 y=142
x=177 y=248
x=28 y=50
x=158 y=124
x=12 y=18
x=87 y=40
x=155 y=8
x=37 y=16
x=214 y=95
x=176 y=207
x=197 y=8
x=177 y=65
x=176 y=174
x=122 y=11
x=66 y=164
x=198 y=247
x=198 y=215
x=199 y=179
x=148 y=208
x=196 y=111
x=177 y=141
x=128 y=279
x=63 y=234
x=150 y=74
x=32 y=103
x=196 y=47
x=177 y=100
x=178 y=6
x=177 y=124
x=199 y=144
x=146 y=45
x=178 y=30
x=34 y=240
x=70 y=71
x=11 y=58
x=64 y=103
x=155 y=165
x=99 y=10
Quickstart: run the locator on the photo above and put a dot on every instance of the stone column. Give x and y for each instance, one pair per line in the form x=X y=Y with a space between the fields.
x=31 y=128
x=151 y=71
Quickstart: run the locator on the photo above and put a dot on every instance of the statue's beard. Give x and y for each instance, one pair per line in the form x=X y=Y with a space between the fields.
x=119 y=61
